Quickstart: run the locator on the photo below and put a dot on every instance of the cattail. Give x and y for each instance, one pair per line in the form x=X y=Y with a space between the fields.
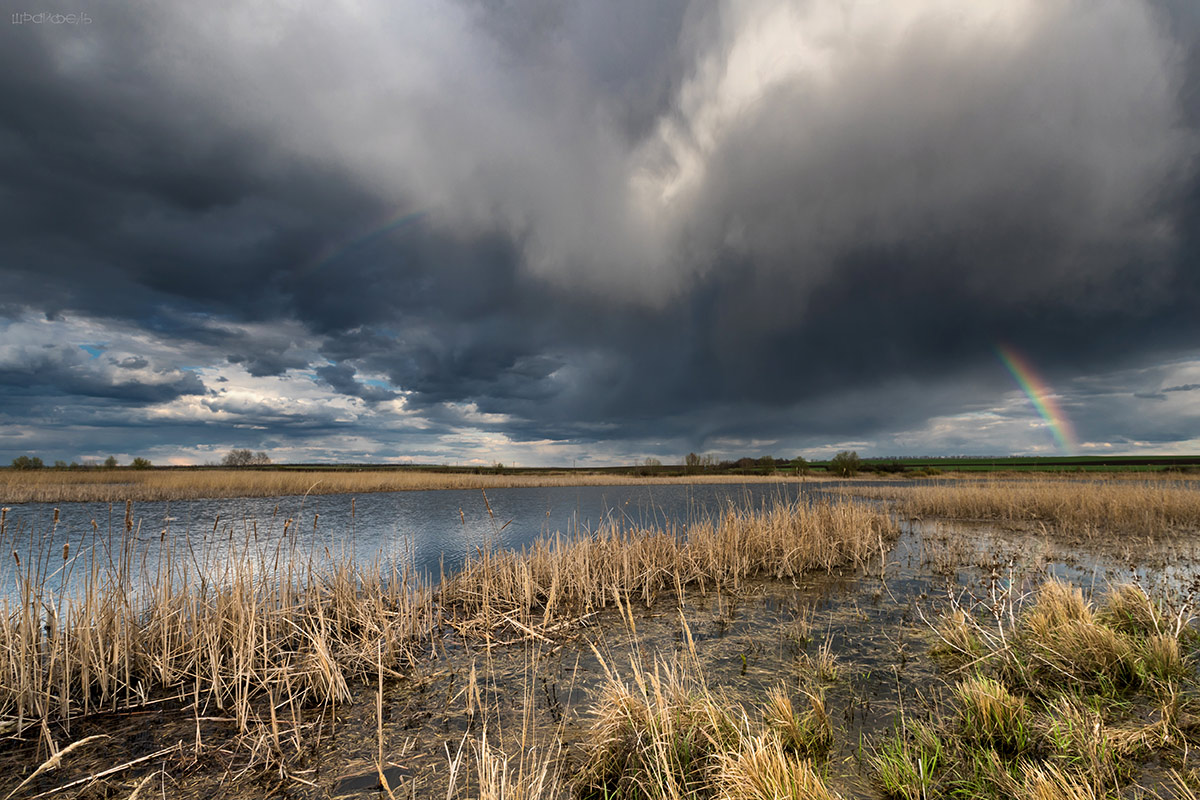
x=66 y=550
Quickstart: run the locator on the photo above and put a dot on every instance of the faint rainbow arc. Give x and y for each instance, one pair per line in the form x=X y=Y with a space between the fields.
x=1041 y=395
x=392 y=223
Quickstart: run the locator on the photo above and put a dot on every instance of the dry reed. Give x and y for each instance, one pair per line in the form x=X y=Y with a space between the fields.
x=1147 y=508
x=293 y=629
x=572 y=576
x=119 y=485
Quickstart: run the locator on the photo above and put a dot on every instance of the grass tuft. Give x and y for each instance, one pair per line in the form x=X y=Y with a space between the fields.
x=810 y=733
x=992 y=716
x=763 y=770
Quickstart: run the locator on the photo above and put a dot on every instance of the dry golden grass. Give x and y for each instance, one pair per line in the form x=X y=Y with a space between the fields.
x=809 y=733
x=762 y=770
x=1147 y=508
x=292 y=629
x=991 y=715
x=663 y=734
x=572 y=576
x=659 y=736
x=118 y=485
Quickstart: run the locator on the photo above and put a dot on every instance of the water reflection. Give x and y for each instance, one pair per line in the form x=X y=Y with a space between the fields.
x=430 y=531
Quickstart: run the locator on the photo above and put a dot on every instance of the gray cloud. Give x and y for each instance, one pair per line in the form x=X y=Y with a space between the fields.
x=670 y=223
x=340 y=378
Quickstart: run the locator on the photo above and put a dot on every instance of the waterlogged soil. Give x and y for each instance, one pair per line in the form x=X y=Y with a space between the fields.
x=860 y=638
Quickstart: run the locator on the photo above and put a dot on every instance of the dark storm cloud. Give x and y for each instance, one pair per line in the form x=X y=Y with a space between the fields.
x=263 y=362
x=1187 y=387
x=678 y=222
x=341 y=378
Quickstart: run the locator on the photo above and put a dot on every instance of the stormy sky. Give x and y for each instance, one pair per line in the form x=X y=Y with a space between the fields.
x=565 y=231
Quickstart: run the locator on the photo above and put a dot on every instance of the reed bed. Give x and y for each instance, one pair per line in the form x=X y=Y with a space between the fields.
x=1144 y=508
x=119 y=485
x=563 y=578
x=295 y=630
x=261 y=633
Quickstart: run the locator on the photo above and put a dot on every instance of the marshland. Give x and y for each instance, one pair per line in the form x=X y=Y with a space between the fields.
x=120 y=485
x=965 y=638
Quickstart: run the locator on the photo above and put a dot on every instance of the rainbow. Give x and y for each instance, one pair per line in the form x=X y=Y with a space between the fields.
x=396 y=221
x=1041 y=395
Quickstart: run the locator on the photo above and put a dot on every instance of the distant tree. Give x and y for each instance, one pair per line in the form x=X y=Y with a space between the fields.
x=801 y=465
x=261 y=459
x=767 y=463
x=60 y=465
x=692 y=462
x=238 y=458
x=141 y=463
x=27 y=462
x=846 y=464
x=74 y=465
x=110 y=462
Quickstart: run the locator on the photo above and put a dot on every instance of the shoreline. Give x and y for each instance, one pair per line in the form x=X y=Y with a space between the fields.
x=50 y=486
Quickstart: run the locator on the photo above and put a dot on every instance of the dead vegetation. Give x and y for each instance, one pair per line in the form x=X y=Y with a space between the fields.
x=119 y=485
x=1145 y=508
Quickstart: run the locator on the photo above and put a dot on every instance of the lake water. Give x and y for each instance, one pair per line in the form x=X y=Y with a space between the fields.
x=427 y=530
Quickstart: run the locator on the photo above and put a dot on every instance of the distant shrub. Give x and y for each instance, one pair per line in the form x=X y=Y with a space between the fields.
x=27 y=462
x=846 y=464
x=141 y=463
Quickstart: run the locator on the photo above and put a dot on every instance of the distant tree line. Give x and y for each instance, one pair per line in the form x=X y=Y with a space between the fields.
x=245 y=458
x=234 y=458
x=34 y=462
